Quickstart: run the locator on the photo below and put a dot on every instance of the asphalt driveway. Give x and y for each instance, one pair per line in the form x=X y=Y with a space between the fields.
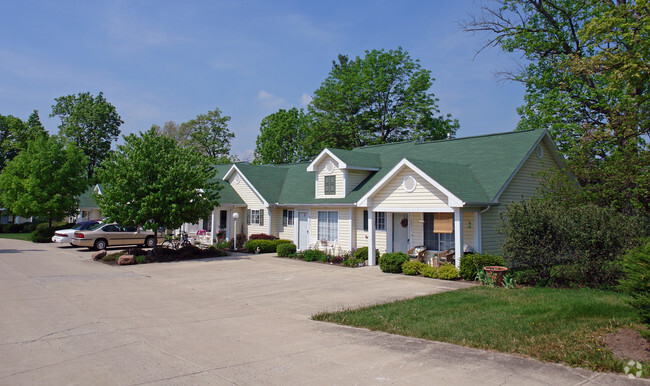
x=234 y=320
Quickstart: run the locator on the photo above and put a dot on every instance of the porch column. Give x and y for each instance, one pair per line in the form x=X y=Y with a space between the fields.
x=213 y=226
x=372 y=259
x=458 y=236
x=268 y=220
x=228 y=224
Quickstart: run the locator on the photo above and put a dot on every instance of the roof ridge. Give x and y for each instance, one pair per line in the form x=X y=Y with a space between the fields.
x=477 y=136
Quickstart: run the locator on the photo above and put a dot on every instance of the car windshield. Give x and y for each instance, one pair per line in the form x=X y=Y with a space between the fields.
x=78 y=227
x=92 y=228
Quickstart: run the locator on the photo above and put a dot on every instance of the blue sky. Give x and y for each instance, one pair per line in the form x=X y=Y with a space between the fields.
x=159 y=61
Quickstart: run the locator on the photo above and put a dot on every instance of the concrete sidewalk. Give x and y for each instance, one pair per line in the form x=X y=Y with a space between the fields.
x=242 y=319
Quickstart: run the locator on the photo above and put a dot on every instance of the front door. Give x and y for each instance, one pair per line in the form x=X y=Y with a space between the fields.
x=400 y=232
x=303 y=231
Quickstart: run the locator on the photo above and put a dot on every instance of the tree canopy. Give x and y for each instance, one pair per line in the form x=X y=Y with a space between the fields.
x=209 y=134
x=282 y=137
x=587 y=78
x=151 y=181
x=44 y=179
x=16 y=134
x=380 y=98
x=91 y=122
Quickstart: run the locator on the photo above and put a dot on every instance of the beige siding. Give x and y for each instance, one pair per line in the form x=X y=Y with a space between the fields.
x=343 y=227
x=524 y=184
x=393 y=195
x=320 y=178
x=355 y=177
x=241 y=221
x=246 y=193
x=284 y=232
x=362 y=235
x=468 y=233
x=417 y=229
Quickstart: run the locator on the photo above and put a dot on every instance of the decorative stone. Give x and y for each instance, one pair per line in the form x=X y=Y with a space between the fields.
x=126 y=260
x=99 y=255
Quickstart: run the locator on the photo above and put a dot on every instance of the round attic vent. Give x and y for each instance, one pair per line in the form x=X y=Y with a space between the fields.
x=409 y=184
x=329 y=167
x=237 y=179
x=539 y=150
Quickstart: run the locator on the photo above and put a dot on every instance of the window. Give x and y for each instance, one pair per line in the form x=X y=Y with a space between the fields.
x=255 y=216
x=330 y=185
x=207 y=224
x=380 y=221
x=439 y=231
x=223 y=219
x=287 y=217
x=328 y=225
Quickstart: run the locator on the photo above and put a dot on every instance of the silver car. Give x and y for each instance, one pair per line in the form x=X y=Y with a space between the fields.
x=101 y=236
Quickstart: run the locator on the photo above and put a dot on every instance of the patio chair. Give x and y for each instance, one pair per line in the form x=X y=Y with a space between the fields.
x=417 y=252
x=446 y=256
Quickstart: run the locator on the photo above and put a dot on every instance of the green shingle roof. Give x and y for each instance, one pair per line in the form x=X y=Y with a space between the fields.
x=474 y=169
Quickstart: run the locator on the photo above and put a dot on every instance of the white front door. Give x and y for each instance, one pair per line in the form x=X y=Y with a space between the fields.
x=400 y=232
x=303 y=231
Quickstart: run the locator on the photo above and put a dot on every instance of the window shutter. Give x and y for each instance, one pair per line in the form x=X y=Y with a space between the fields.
x=333 y=185
x=285 y=217
x=261 y=217
x=248 y=216
x=365 y=220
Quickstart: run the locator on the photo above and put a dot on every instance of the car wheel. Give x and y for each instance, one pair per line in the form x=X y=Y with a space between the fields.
x=149 y=242
x=100 y=244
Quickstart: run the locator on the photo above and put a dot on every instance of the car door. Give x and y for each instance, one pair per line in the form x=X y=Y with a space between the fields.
x=112 y=233
x=133 y=235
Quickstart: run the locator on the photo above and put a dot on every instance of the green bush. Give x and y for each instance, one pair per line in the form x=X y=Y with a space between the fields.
x=11 y=228
x=277 y=242
x=636 y=279
x=314 y=255
x=472 y=264
x=286 y=249
x=540 y=235
x=29 y=227
x=429 y=271
x=391 y=262
x=265 y=246
x=352 y=262
x=362 y=253
x=225 y=245
x=141 y=259
x=447 y=272
x=412 y=267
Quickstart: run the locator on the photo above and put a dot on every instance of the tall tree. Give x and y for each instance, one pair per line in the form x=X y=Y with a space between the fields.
x=173 y=130
x=10 y=129
x=209 y=134
x=282 y=137
x=587 y=81
x=153 y=182
x=44 y=179
x=383 y=97
x=91 y=122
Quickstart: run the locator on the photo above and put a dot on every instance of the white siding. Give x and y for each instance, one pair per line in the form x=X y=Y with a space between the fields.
x=246 y=193
x=284 y=232
x=343 y=227
x=362 y=235
x=393 y=195
x=524 y=184
x=468 y=233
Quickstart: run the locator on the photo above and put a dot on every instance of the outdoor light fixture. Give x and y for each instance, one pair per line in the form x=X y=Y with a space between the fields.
x=469 y=224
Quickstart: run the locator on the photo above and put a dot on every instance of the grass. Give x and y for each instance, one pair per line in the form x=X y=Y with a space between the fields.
x=16 y=236
x=553 y=325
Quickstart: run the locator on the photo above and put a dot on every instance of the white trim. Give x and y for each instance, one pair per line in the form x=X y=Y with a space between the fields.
x=234 y=168
x=325 y=152
x=351 y=235
x=453 y=201
x=372 y=258
x=345 y=182
x=214 y=225
x=458 y=235
x=268 y=221
x=441 y=209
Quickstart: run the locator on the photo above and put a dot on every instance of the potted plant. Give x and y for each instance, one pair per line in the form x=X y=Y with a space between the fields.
x=496 y=273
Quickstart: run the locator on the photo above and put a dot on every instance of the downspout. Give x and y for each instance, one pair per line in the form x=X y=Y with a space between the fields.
x=486 y=209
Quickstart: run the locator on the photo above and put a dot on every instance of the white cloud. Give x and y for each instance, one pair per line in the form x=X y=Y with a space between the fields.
x=270 y=100
x=305 y=99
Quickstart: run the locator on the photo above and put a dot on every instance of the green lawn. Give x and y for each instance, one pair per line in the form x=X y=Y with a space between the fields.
x=16 y=236
x=555 y=325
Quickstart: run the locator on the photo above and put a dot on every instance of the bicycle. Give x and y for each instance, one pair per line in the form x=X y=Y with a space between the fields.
x=172 y=244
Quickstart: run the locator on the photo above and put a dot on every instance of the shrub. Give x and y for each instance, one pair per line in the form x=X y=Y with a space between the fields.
x=286 y=249
x=141 y=259
x=314 y=255
x=429 y=271
x=362 y=253
x=262 y=236
x=540 y=235
x=43 y=233
x=336 y=259
x=352 y=262
x=225 y=245
x=412 y=267
x=241 y=240
x=265 y=246
x=447 y=272
x=277 y=242
x=29 y=227
x=391 y=262
x=636 y=269
x=112 y=256
x=472 y=264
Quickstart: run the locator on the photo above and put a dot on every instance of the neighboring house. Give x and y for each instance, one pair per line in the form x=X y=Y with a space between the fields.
x=88 y=208
x=7 y=218
x=445 y=194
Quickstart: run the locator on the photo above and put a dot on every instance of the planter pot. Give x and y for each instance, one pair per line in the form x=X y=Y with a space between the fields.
x=496 y=273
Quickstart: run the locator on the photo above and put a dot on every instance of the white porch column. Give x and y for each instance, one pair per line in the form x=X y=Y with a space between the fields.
x=372 y=259
x=458 y=235
x=268 y=220
x=213 y=226
x=228 y=224
x=353 y=242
